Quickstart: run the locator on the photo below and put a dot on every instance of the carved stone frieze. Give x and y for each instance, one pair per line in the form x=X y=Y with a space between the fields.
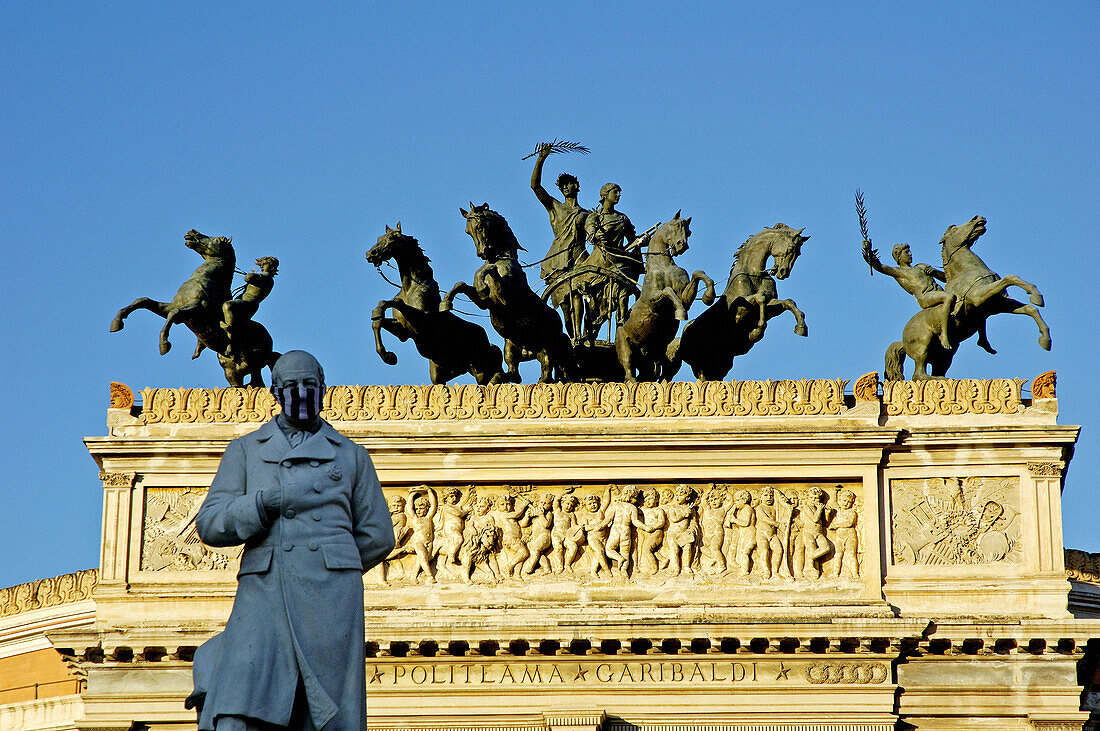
x=51 y=592
x=946 y=397
x=121 y=396
x=509 y=401
x=1045 y=385
x=117 y=479
x=866 y=387
x=758 y=534
x=953 y=520
x=1044 y=469
x=1083 y=566
x=170 y=540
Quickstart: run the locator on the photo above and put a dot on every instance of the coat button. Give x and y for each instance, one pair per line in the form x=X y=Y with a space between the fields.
x=288 y=546
x=287 y=463
x=290 y=512
x=313 y=545
x=317 y=487
x=317 y=516
x=314 y=463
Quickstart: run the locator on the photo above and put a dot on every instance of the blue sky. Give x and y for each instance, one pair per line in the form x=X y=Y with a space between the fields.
x=302 y=130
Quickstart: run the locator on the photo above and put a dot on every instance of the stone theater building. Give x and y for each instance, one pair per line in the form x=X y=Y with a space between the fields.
x=758 y=556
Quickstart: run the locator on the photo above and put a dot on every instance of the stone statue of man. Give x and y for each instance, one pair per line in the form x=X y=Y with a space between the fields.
x=306 y=503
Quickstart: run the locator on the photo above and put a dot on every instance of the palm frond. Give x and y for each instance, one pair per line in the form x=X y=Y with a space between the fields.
x=560 y=146
x=861 y=211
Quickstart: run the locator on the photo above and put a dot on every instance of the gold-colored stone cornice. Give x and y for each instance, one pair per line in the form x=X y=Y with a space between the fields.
x=509 y=401
x=51 y=592
x=822 y=397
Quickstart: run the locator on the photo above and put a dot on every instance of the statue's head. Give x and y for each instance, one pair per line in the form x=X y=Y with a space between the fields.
x=741 y=498
x=421 y=505
x=592 y=503
x=568 y=184
x=846 y=499
x=397 y=504
x=452 y=495
x=209 y=247
x=816 y=494
x=716 y=496
x=610 y=192
x=767 y=495
x=684 y=494
x=483 y=505
x=297 y=368
x=902 y=255
x=389 y=244
x=569 y=503
x=652 y=498
x=268 y=265
x=506 y=502
x=546 y=501
x=963 y=235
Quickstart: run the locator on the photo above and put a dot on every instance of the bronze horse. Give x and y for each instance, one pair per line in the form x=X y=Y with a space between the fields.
x=641 y=342
x=736 y=322
x=451 y=345
x=531 y=329
x=198 y=305
x=981 y=293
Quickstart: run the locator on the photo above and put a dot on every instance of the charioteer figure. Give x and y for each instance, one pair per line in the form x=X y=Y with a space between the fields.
x=567 y=219
x=610 y=232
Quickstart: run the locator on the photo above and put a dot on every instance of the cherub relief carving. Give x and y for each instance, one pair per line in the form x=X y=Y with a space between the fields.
x=702 y=534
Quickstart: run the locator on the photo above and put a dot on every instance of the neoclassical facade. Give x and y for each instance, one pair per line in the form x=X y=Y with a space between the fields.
x=720 y=555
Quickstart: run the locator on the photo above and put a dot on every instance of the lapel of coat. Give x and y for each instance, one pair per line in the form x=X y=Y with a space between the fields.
x=273 y=443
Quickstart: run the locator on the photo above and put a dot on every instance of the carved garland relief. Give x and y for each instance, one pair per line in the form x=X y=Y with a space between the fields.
x=509 y=401
x=591 y=400
x=956 y=520
x=51 y=592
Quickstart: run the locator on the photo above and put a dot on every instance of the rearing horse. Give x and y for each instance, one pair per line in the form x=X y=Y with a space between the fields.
x=451 y=345
x=198 y=305
x=530 y=327
x=198 y=301
x=981 y=292
x=667 y=292
x=733 y=324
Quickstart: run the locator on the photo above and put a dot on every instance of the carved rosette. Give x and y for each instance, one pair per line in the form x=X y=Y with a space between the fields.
x=121 y=396
x=509 y=401
x=1044 y=385
x=117 y=479
x=51 y=592
x=946 y=397
x=866 y=387
x=1044 y=469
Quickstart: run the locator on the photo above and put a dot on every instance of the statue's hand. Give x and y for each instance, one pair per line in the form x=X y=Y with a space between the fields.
x=545 y=148
x=272 y=500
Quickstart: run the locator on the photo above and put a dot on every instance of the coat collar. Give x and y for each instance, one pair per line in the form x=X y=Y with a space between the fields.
x=319 y=446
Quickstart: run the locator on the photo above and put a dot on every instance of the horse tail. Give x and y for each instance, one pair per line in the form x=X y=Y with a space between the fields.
x=895 y=358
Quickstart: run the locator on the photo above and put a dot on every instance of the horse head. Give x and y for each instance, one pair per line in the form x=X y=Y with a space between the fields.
x=675 y=234
x=210 y=247
x=390 y=245
x=957 y=237
x=493 y=238
x=785 y=246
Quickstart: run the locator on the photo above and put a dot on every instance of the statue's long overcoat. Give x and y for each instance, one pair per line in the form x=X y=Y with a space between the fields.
x=298 y=613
